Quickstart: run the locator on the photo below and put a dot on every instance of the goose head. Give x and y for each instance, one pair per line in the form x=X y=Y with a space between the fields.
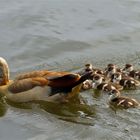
x=4 y=72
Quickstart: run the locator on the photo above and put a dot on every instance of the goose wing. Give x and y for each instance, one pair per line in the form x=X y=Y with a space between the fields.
x=27 y=84
x=63 y=84
x=58 y=81
x=63 y=81
x=41 y=73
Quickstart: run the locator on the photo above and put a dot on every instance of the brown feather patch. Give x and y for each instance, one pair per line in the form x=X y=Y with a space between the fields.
x=32 y=74
x=26 y=84
x=41 y=73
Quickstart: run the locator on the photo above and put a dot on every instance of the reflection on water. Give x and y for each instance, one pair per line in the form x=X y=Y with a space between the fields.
x=94 y=113
x=78 y=113
x=3 y=107
x=72 y=111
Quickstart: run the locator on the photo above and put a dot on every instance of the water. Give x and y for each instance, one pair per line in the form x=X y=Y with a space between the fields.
x=64 y=35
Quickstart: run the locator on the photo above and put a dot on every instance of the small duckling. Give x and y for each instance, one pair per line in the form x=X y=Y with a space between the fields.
x=129 y=70
x=87 y=84
x=129 y=83
x=136 y=75
x=101 y=83
x=116 y=77
x=111 y=69
x=92 y=83
x=98 y=83
x=125 y=81
x=89 y=67
x=116 y=100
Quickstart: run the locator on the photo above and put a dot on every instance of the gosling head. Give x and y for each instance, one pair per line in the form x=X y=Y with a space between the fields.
x=111 y=69
x=114 y=94
x=88 y=67
x=97 y=79
x=128 y=68
x=111 y=65
x=116 y=77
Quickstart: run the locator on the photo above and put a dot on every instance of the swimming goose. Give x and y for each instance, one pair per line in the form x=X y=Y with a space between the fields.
x=116 y=100
x=40 y=85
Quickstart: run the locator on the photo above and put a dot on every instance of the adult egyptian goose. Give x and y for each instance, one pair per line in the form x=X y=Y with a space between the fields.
x=116 y=100
x=40 y=85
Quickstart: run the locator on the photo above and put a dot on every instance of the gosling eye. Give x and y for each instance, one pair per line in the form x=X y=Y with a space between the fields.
x=110 y=93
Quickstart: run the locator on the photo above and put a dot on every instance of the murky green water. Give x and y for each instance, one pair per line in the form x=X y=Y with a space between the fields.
x=64 y=35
